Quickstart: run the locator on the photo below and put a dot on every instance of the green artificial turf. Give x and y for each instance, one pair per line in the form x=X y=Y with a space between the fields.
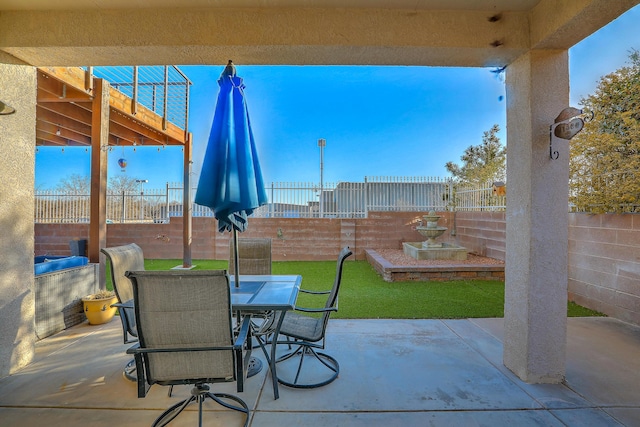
x=364 y=295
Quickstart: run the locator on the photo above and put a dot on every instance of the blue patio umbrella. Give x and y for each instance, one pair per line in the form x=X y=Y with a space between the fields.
x=231 y=179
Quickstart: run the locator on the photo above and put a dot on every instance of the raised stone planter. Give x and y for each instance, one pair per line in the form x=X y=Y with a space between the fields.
x=440 y=272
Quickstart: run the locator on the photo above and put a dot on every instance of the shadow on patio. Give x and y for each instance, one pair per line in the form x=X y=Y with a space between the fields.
x=393 y=372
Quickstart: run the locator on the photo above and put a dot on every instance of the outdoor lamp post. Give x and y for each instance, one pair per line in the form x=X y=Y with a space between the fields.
x=321 y=143
x=142 y=182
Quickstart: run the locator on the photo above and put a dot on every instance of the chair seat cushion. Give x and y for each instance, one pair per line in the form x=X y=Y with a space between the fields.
x=302 y=327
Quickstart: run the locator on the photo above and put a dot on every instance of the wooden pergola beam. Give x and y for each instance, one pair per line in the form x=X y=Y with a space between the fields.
x=65 y=100
x=123 y=125
x=63 y=132
x=73 y=77
x=52 y=90
x=69 y=110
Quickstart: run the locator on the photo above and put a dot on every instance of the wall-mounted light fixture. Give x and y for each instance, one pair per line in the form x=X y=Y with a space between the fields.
x=5 y=109
x=569 y=122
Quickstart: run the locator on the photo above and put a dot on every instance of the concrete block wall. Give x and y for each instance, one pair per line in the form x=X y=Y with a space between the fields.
x=296 y=239
x=603 y=257
x=159 y=241
x=483 y=233
x=604 y=250
x=604 y=264
x=53 y=239
x=388 y=230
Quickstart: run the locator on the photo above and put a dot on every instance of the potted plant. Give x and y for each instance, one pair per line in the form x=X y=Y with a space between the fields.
x=97 y=307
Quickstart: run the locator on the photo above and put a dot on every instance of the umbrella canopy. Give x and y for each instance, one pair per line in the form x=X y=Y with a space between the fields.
x=231 y=179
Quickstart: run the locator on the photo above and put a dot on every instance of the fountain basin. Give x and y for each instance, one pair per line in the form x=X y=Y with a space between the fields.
x=431 y=233
x=445 y=251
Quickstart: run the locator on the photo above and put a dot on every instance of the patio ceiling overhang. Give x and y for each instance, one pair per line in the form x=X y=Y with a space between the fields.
x=475 y=33
x=64 y=114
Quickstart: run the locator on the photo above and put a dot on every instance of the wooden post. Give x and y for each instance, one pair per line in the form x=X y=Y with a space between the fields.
x=186 y=205
x=99 y=139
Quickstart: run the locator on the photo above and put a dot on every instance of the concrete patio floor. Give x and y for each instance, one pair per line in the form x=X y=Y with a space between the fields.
x=393 y=373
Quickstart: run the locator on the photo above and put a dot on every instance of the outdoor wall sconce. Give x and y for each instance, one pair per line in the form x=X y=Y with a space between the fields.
x=5 y=110
x=569 y=122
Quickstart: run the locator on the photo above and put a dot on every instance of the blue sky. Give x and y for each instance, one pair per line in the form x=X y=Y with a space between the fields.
x=377 y=121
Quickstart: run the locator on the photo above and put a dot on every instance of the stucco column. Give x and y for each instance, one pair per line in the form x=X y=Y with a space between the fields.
x=17 y=172
x=537 y=219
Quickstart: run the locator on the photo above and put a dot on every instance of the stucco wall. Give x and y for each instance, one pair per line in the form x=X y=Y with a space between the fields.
x=17 y=150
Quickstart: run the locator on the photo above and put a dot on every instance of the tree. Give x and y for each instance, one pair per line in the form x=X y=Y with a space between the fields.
x=74 y=184
x=482 y=163
x=605 y=156
x=123 y=183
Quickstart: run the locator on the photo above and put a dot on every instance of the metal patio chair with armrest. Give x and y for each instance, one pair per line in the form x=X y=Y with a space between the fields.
x=186 y=336
x=122 y=259
x=307 y=333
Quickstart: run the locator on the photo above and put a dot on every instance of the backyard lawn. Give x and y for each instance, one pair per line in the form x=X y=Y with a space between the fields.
x=364 y=295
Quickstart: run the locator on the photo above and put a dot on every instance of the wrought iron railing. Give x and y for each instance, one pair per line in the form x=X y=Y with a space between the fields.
x=286 y=200
x=123 y=207
x=486 y=197
x=296 y=200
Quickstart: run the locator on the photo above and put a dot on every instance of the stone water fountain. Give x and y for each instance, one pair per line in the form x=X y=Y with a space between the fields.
x=430 y=248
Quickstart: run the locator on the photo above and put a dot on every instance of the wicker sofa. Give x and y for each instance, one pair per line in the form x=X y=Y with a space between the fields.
x=60 y=284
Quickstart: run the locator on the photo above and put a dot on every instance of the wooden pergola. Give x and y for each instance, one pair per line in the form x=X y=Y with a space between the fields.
x=75 y=108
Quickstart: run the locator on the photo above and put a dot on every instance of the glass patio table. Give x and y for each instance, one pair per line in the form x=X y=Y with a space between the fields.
x=258 y=294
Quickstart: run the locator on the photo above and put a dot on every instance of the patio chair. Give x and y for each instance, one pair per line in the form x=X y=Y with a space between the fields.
x=122 y=259
x=306 y=333
x=185 y=336
x=254 y=256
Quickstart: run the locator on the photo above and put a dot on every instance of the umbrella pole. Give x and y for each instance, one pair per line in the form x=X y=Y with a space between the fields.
x=235 y=258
